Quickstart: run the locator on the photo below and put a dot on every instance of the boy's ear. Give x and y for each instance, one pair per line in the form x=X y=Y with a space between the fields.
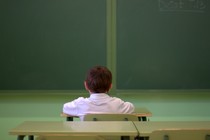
x=110 y=86
x=86 y=87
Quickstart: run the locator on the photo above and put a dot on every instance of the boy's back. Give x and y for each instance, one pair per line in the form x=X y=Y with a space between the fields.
x=97 y=103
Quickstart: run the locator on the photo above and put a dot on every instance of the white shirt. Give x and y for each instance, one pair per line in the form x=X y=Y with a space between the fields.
x=97 y=103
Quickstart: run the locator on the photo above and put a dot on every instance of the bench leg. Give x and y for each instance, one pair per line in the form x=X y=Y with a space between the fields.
x=20 y=137
x=31 y=137
x=69 y=119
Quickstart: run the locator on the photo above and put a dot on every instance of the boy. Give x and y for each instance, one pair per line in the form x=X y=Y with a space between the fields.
x=98 y=83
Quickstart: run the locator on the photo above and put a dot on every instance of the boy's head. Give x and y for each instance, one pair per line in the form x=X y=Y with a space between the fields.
x=98 y=80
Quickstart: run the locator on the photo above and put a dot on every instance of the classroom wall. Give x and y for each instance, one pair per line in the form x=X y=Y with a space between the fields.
x=173 y=106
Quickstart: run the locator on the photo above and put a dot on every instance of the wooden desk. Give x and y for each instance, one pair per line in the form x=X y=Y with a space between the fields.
x=146 y=128
x=142 y=114
x=43 y=128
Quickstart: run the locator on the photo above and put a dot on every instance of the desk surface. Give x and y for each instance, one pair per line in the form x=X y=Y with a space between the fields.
x=140 y=112
x=146 y=128
x=75 y=128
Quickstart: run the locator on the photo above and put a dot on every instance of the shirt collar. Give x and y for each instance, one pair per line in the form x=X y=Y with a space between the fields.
x=98 y=95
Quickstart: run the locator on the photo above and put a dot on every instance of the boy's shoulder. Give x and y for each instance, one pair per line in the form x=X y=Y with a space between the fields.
x=78 y=99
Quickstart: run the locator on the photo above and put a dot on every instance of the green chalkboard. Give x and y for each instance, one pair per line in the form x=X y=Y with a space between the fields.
x=50 y=44
x=163 y=44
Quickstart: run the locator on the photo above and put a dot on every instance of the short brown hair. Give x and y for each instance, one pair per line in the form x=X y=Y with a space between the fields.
x=99 y=79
